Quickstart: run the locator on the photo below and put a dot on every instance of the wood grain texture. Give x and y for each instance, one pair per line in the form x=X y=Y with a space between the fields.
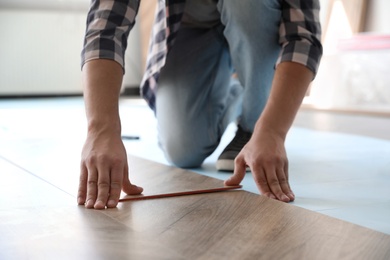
x=177 y=194
x=227 y=225
x=157 y=180
x=239 y=224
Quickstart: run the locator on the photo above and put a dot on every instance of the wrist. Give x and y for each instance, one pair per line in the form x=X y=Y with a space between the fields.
x=104 y=126
x=271 y=128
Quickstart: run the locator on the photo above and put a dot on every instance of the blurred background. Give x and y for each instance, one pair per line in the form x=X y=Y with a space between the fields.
x=40 y=48
x=41 y=42
x=354 y=72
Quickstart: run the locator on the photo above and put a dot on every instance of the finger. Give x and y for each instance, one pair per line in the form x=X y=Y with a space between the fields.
x=91 y=187
x=286 y=172
x=285 y=168
x=274 y=184
x=261 y=182
x=239 y=172
x=115 y=185
x=82 y=191
x=283 y=182
x=129 y=188
x=103 y=187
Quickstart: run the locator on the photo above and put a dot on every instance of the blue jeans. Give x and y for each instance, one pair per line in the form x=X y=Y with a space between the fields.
x=197 y=97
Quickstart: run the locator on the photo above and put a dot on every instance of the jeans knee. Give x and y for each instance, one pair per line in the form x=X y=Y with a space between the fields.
x=186 y=149
x=183 y=156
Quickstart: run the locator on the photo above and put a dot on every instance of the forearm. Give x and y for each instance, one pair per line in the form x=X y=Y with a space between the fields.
x=102 y=80
x=289 y=86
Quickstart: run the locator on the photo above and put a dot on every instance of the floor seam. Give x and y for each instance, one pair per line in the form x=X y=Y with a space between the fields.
x=35 y=175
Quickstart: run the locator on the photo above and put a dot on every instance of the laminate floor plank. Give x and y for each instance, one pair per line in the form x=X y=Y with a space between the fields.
x=40 y=221
x=157 y=178
x=230 y=225
x=240 y=224
x=20 y=189
x=55 y=160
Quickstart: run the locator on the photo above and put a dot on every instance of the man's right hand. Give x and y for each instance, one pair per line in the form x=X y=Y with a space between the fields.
x=104 y=172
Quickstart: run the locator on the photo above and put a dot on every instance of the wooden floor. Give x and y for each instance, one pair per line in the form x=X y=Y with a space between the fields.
x=40 y=144
x=40 y=221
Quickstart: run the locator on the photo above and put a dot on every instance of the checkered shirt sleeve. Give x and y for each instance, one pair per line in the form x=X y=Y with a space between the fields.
x=108 y=25
x=300 y=33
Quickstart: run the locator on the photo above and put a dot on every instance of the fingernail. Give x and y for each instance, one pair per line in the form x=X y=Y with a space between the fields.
x=285 y=198
x=111 y=203
x=272 y=196
x=89 y=204
x=80 y=201
x=99 y=205
x=291 y=195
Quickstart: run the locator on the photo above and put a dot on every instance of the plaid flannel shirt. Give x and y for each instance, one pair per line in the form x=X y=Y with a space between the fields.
x=109 y=24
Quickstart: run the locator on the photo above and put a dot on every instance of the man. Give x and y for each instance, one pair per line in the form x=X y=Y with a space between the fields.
x=272 y=46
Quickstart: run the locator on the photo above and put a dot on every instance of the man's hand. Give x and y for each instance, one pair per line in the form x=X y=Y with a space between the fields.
x=265 y=153
x=104 y=172
x=266 y=157
x=104 y=169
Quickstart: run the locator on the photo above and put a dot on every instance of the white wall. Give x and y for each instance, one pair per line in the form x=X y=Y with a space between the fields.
x=378 y=16
x=68 y=5
x=40 y=47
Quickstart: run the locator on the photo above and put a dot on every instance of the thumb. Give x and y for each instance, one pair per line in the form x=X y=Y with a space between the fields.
x=239 y=172
x=127 y=187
